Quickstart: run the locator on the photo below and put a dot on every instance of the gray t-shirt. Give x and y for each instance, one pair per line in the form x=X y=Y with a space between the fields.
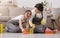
x=15 y=20
x=20 y=17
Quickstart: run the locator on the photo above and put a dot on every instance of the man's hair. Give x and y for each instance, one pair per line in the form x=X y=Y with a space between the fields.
x=28 y=11
x=39 y=6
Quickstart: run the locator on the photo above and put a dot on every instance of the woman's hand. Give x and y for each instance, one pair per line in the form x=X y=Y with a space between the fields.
x=32 y=25
x=43 y=22
x=55 y=30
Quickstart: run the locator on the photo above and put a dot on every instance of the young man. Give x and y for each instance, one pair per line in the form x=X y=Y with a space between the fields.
x=18 y=24
x=37 y=20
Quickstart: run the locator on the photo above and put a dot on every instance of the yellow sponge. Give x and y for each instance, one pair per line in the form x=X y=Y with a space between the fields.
x=43 y=22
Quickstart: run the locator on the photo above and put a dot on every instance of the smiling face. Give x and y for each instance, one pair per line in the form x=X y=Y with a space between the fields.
x=27 y=14
x=36 y=10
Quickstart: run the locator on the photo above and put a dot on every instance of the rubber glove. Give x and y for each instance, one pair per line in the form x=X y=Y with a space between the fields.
x=32 y=25
x=43 y=22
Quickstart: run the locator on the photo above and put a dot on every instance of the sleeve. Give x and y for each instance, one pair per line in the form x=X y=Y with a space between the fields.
x=21 y=17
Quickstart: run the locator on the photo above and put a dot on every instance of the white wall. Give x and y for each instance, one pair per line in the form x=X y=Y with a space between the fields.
x=31 y=3
x=56 y=3
x=4 y=2
x=27 y=3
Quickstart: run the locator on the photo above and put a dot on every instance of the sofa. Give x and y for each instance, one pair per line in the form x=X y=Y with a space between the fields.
x=7 y=13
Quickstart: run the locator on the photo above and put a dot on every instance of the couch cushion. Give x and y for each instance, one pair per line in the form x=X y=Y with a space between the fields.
x=4 y=11
x=15 y=11
x=4 y=18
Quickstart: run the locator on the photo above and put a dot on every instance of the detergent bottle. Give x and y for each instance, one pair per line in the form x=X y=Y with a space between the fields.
x=1 y=28
x=32 y=29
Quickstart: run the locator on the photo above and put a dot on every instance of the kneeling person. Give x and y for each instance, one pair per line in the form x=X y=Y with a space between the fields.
x=18 y=24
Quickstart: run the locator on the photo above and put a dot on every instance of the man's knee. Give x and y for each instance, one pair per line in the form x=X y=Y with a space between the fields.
x=11 y=28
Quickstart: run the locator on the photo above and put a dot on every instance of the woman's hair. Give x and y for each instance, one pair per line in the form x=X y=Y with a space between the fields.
x=28 y=11
x=39 y=6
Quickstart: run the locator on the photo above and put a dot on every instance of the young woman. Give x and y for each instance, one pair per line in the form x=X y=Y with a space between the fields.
x=36 y=19
x=18 y=24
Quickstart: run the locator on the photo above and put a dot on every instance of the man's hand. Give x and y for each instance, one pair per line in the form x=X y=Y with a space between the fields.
x=26 y=31
x=22 y=30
